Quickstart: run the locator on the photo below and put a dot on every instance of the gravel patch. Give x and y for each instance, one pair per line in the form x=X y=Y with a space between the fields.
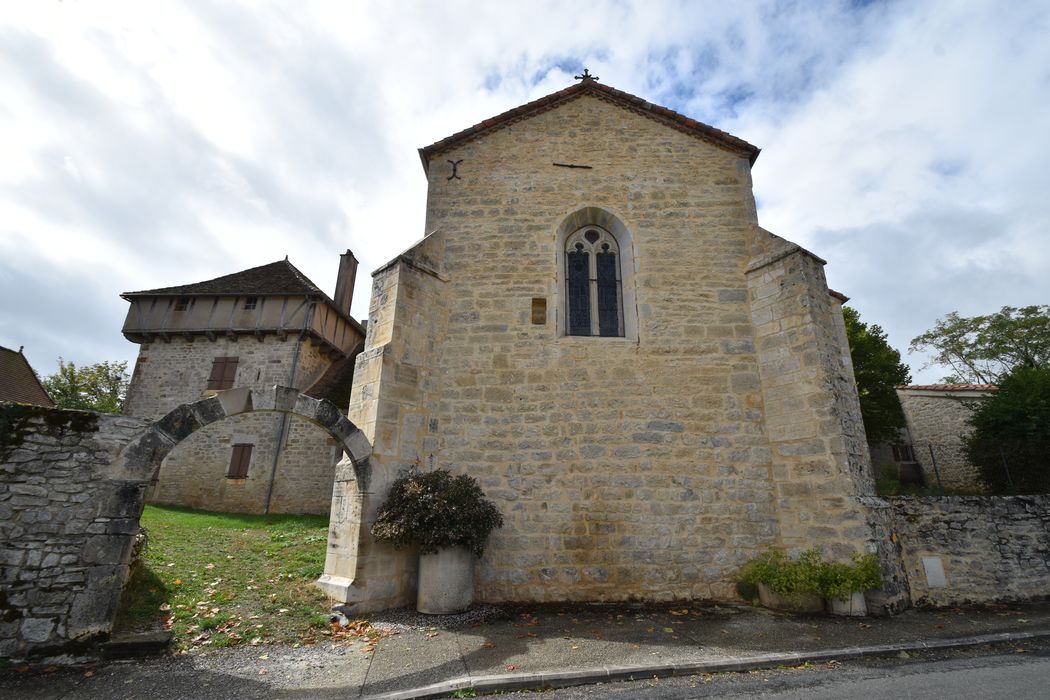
x=408 y=619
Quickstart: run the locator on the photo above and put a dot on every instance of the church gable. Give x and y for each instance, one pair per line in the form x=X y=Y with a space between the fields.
x=589 y=86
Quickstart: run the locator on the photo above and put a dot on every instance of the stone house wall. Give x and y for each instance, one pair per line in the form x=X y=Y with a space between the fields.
x=988 y=548
x=66 y=527
x=168 y=374
x=650 y=466
x=938 y=419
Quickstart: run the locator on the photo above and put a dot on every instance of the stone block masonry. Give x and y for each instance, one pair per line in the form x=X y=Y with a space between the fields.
x=974 y=549
x=66 y=527
x=294 y=476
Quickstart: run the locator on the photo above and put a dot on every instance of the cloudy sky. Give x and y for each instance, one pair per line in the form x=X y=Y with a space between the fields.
x=146 y=144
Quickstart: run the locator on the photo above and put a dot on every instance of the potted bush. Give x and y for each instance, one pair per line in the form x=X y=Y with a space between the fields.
x=844 y=584
x=785 y=584
x=801 y=585
x=449 y=519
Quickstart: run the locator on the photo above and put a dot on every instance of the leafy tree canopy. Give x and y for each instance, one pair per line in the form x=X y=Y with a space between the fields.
x=1010 y=442
x=99 y=387
x=983 y=349
x=878 y=369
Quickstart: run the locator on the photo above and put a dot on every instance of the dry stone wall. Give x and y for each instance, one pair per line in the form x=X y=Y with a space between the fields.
x=66 y=527
x=974 y=549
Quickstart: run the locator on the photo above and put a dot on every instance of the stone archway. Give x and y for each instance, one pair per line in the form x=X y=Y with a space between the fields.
x=78 y=481
x=142 y=457
x=141 y=460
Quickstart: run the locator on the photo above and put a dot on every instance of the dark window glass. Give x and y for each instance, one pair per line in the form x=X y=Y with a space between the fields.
x=608 y=291
x=579 y=292
x=182 y=303
x=249 y=303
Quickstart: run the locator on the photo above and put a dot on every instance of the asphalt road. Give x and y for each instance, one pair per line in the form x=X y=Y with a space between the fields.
x=1016 y=671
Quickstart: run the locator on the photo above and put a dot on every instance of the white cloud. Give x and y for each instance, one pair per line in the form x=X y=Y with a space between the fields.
x=148 y=144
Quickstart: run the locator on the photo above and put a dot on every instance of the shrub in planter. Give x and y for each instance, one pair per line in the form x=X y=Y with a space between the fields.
x=437 y=510
x=800 y=583
x=449 y=518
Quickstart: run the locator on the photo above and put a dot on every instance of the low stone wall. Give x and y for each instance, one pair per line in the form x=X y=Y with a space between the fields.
x=66 y=527
x=974 y=549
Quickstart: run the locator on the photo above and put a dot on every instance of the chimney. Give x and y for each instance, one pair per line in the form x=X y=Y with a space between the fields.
x=344 y=282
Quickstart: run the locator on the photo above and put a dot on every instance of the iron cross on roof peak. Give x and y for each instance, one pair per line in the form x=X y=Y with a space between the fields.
x=586 y=76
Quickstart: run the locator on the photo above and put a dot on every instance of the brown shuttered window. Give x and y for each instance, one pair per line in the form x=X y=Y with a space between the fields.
x=239 y=461
x=223 y=371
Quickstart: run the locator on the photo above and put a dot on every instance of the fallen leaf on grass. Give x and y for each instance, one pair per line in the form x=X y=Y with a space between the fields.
x=263 y=671
x=165 y=607
x=50 y=669
x=864 y=625
x=511 y=667
x=523 y=636
x=682 y=611
x=88 y=674
x=488 y=645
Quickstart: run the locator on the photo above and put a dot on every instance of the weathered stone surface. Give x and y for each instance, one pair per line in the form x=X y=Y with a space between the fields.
x=992 y=548
x=937 y=423
x=580 y=439
x=65 y=548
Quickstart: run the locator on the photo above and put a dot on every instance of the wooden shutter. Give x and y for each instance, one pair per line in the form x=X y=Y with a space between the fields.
x=239 y=461
x=229 y=372
x=223 y=372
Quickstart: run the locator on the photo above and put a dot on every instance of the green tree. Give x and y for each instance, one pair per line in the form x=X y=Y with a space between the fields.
x=981 y=349
x=99 y=387
x=878 y=369
x=1010 y=442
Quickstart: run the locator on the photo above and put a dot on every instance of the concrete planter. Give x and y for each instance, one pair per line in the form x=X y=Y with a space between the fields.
x=854 y=606
x=446 y=581
x=794 y=602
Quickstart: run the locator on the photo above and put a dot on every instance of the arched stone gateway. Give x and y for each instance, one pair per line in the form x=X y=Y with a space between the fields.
x=73 y=485
x=143 y=456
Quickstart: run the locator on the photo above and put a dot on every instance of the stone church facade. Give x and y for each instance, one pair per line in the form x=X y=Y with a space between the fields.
x=651 y=387
x=256 y=328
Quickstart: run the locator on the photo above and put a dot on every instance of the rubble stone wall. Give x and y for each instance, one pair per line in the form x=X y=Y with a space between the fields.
x=66 y=526
x=990 y=548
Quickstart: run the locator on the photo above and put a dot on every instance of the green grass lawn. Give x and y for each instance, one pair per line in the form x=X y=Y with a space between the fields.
x=223 y=579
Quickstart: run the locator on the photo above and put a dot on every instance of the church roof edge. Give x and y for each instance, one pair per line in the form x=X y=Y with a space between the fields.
x=589 y=86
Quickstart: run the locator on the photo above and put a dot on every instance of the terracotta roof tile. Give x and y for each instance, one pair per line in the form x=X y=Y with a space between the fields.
x=951 y=387
x=18 y=382
x=585 y=87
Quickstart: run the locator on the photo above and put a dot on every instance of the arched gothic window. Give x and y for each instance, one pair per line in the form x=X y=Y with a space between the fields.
x=593 y=285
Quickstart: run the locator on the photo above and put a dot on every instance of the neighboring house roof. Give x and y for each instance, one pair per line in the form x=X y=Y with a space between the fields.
x=276 y=279
x=279 y=278
x=18 y=382
x=618 y=97
x=949 y=387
